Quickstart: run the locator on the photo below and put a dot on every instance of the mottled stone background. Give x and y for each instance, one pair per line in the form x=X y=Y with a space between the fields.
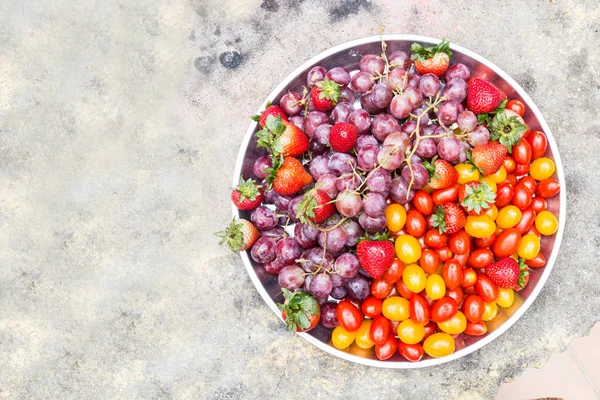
x=119 y=125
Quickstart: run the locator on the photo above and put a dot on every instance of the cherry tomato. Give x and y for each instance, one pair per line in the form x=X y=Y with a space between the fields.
x=516 y=106
x=446 y=195
x=459 y=242
x=466 y=173
x=539 y=144
x=371 y=307
x=363 y=336
x=414 y=278
x=419 y=309
x=452 y=274
x=521 y=152
x=394 y=272
x=546 y=223
x=490 y=310
x=415 y=223
x=348 y=315
x=387 y=349
x=486 y=288
x=507 y=243
x=430 y=329
x=537 y=262
x=457 y=294
x=529 y=247
x=469 y=277
x=395 y=217
x=439 y=345
x=435 y=239
x=539 y=204
x=341 y=338
x=492 y=212
x=408 y=249
x=423 y=202
x=380 y=288
x=522 y=197
x=435 y=287
x=504 y=194
x=490 y=182
x=527 y=220
x=476 y=328
x=529 y=182
x=396 y=308
x=410 y=332
x=509 y=164
x=541 y=169
x=548 y=188
x=506 y=296
x=429 y=261
x=443 y=309
x=444 y=253
x=521 y=169
x=412 y=352
x=508 y=216
x=454 y=325
x=481 y=258
x=461 y=259
x=403 y=290
x=380 y=329
x=487 y=241
x=499 y=176
x=473 y=308
x=480 y=226
x=512 y=179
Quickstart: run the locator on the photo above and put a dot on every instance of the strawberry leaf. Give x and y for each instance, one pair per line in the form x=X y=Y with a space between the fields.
x=423 y=53
x=330 y=90
x=306 y=207
x=255 y=118
x=479 y=197
x=438 y=220
x=248 y=189
x=507 y=130
x=232 y=235
x=277 y=162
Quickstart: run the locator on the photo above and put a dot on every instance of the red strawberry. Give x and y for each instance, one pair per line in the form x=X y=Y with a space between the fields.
x=432 y=60
x=282 y=137
x=488 y=157
x=476 y=197
x=275 y=111
x=288 y=177
x=247 y=195
x=316 y=206
x=343 y=137
x=482 y=96
x=325 y=94
x=449 y=218
x=507 y=272
x=300 y=311
x=375 y=255
x=442 y=173
x=240 y=235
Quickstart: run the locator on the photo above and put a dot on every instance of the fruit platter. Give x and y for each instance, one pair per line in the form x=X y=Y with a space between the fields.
x=398 y=201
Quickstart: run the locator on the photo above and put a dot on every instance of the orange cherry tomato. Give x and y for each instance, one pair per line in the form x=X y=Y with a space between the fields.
x=394 y=271
x=435 y=239
x=522 y=197
x=443 y=309
x=504 y=194
x=371 y=307
x=473 y=308
x=527 y=220
x=476 y=328
x=415 y=223
x=509 y=164
x=380 y=329
x=380 y=288
x=521 y=152
x=507 y=243
x=419 y=309
x=422 y=202
x=548 y=188
x=446 y=195
x=481 y=258
x=461 y=259
x=429 y=261
x=537 y=262
x=444 y=253
x=457 y=294
x=387 y=349
x=486 y=288
x=452 y=274
x=539 y=204
x=516 y=106
x=412 y=352
x=459 y=242
x=539 y=144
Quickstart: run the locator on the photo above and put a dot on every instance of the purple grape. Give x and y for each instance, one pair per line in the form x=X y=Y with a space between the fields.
x=293 y=207
x=338 y=292
x=334 y=240
x=354 y=231
x=371 y=64
x=455 y=89
x=429 y=130
x=429 y=85
x=462 y=157
x=372 y=224
x=260 y=165
x=347 y=265
x=479 y=136
x=341 y=112
x=440 y=130
x=358 y=288
x=281 y=202
x=269 y=194
x=390 y=157
x=424 y=117
x=302 y=238
x=379 y=180
x=339 y=75
x=336 y=279
x=397 y=79
x=263 y=218
x=276 y=233
x=467 y=121
x=408 y=127
x=327 y=183
x=311 y=259
x=283 y=219
x=347 y=182
x=288 y=250
x=297 y=120
x=264 y=250
x=448 y=112
x=420 y=173
x=328 y=315
x=367 y=156
x=341 y=163
x=401 y=106
x=381 y=94
x=312 y=122
x=361 y=121
x=347 y=96
x=273 y=267
x=289 y=103
x=398 y=191
x=383 y=125
x=316 y=148
x=415 y=97
x=374 y=204
x=448 y=148
x=427 y=148
x=307 y=280
x=321 y=134
x=457 y=71
x=399 y=59
x=318 y=166
x=367 y=104
x=348 y=203
x=316 y=74
x=321 y=285
x=362 y=82
x=291 y=277
x=399 y=139
x=365 y=140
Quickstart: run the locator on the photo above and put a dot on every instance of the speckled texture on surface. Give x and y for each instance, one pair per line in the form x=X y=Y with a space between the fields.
x=120 y=121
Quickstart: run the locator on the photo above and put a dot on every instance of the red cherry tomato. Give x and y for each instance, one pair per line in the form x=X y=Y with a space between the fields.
x=380 y=288
x=447 y=195
x=457 y=294
x=459 y=242
x=470 y=290
x=419 y=309
x=529 y=182
x=380 y=329
x=371 y=307
x=521 y=169
x=476 y=328
x=348 y=316
x=516 y=106
x=473 y=308
x=394 y=271
x=481 y=258
x=430 y=329
x=539 y=144
x=444 y=253
x=422 y=202
x=538 y=262
x=507 y=243
x=509 y=164
x=504 y=194
x=403 y=290
x=429 y=261
x=511 y=178
x=539 y=204
x=435 y=239
x=452 y=274
x=387 y=349
x=412 y=352
x=469 y=277
x=443 y=309
x=415 y=223
x=533 y=230
x=461 y=259
x=486 y=242
x=527 y=221
x=486 y=288
x=522 y=197
x=548 y=188
x=521 y=152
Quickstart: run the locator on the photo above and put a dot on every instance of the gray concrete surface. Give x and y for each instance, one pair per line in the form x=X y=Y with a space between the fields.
x=119 y=125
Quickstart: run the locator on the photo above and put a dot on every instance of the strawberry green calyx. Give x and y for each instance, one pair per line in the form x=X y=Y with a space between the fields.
x=233 y=236
x=376 y=237
x=423 y=53
x=248 y=189
x=430 y=167
x=306 y=208
x=507 y=130
x=523 y=272
x=277 y=162
x=438 y=219
x=478 y=197
x=485 y=117
x=471 y=161
x=270 y=136
x=298 y=307
x=330 y=90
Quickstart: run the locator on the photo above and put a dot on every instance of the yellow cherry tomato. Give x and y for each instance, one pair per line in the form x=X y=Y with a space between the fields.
x=454 y=325
x=480 y=226
x=396 y=308
x=508 y=217
x=546 y=223
x=466 y=173
x=499 y=176
x=489 y=311
x=410 y=332
x=414 y=278
x=492 y=212
x=408 y=249
x=439 y=345
x=435 y=287
x=529 y=247
x=395 y=217
x=491 y=183
x=505 y=298
x=363 y=336
x=542 y=168
x=341 y=338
